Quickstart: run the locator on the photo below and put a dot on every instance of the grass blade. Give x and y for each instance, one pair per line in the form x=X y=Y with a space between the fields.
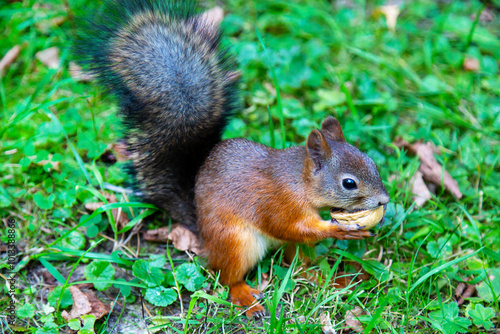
x=52 y=270
x=442 y=267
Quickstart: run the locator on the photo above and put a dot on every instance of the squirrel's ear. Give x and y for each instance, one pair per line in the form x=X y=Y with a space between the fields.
x=318 y=149
x=331 y=129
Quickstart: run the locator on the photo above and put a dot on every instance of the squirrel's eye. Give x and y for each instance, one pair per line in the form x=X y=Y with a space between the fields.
x=349 y=184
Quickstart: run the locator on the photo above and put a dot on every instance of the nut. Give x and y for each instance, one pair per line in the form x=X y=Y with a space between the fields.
x=366 y=218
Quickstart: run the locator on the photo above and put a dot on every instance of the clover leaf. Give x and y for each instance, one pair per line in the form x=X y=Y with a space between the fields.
x=26 y=311
x=150 y=275
x=99 y=270
x=54 y=295
x=481 y=316
x=484 y=290
x=74 y=240
x=124 y=289
x=160 y=296
x=447 y=320
x=44 y=203
x=188 y=275
x=157 y=260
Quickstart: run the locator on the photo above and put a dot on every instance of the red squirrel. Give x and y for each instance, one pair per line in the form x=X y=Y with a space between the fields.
x=177 y=88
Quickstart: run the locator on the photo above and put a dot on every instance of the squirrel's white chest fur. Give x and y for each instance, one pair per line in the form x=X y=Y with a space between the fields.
x=263 y=243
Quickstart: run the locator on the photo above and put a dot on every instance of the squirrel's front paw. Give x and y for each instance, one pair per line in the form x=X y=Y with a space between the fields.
x=346 y=232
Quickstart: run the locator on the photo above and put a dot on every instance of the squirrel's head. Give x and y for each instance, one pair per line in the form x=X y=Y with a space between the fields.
x=339 y=175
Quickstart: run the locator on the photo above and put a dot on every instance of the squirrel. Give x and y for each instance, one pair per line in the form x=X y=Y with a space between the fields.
x=177 y=88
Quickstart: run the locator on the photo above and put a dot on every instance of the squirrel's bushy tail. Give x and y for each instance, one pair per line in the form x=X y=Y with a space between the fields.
x=176 y=88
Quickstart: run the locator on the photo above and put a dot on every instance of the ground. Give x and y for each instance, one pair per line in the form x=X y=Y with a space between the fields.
x=414 y=71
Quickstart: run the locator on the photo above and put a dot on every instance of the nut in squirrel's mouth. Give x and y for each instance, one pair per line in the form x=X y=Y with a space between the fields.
x=363 y=217
x=339 y=210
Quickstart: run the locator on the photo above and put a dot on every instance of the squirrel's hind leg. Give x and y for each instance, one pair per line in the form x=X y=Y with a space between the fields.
x=236 y=249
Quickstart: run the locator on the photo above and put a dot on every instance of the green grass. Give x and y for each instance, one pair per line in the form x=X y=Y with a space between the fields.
x=301 y=61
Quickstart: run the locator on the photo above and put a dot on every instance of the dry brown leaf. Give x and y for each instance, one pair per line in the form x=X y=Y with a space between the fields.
x=469 y=291
x=391 y=13
x=48 y=278
x=264 y=282
x=270 y=88
x=78 y=74
x=9 y=58
x=351 y=319
x=157 y=235
x=430 y=168
x=182 y=238
x=49 y=57
x=419 y=189
x=213 y=16
x=326 y=323
x=93 y=205
x=55 y=164
x=46 y=25
x=121 y=218
x=486 y=15
x=460 y=289
x=471 y=64
x=85 y=303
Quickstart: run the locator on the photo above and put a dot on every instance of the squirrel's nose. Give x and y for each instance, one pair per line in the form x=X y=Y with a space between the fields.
x=384 y=199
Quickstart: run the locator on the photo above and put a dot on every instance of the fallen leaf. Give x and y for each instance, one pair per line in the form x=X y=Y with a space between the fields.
x=213 y=16
x=48 y=278
x=182 y=238
x=431 y=170
x=55 y=164
x=471 y=64
x=9 y=58
x=211 y=20
x=49 y=57
x=157 y=235
x=264 y=281
x=85 y=303
x=46 y=25
x=121 y=218
x=486 y=15
x=391 y=13
x=469 y=291
x=460 y=289
x=326 y=323
x=419 y=189
x=93 y=206
x=351 y=319
x=78 y=74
